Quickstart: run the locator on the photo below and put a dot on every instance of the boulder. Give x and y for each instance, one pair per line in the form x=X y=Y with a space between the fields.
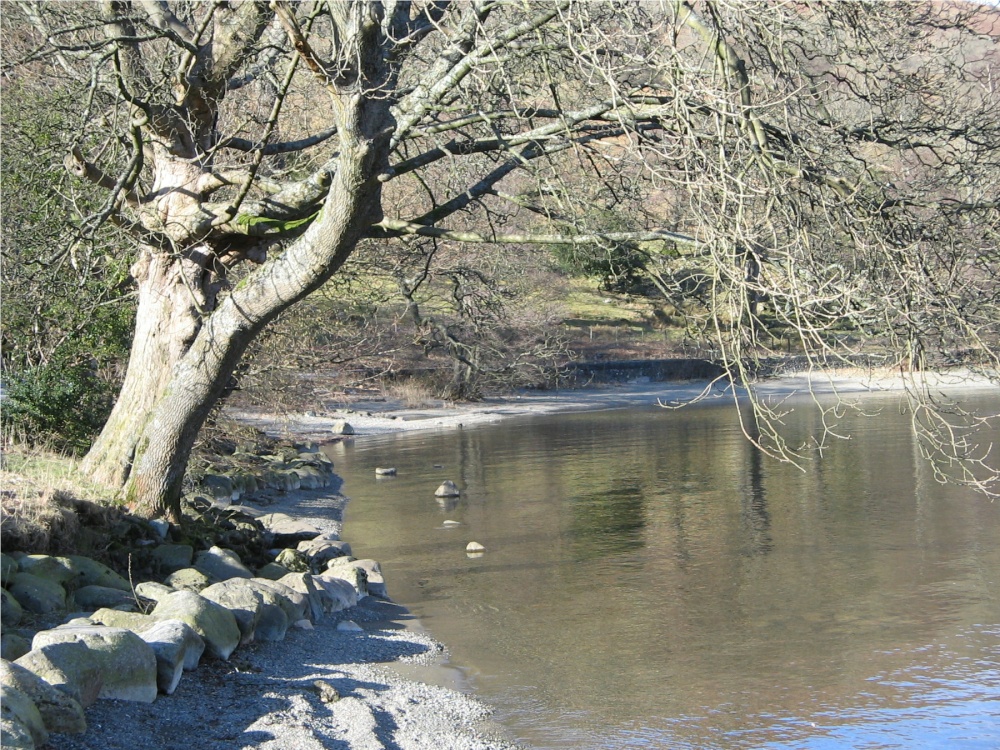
x=304 y=584
x=374 y=580
x=187 y=579
x=89 y=572
x=356 y=577
x=311 y=478
x=13 y=646
x=244 y=602
x=161 y=527
x=95 y=597
x=337 y=593
x=60 y=712
x=153 y=591
x=272 y=571
x=294 y=604
x=50 y=567
x=177 y=647
x=127 y=663
x=39 y=595
x=447 y=489
x=342 y=427
x=115 y=618
x=173 y=557
x=287 y=530
x=221 y=564
x=20 y=719
x=8 y=567
x=10 y=609
x=69 y=666
x=320 y=551
x=385 y=471
x=220 y=488
x=211 y=621
x=474 y=547
x=294 y=560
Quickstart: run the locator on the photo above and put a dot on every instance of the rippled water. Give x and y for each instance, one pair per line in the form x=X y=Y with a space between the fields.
x=652 y=581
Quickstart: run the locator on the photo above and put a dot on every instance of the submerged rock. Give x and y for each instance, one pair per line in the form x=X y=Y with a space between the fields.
x=447 y=489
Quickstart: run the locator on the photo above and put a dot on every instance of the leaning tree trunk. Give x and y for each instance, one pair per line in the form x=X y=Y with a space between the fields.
x=167 y=320
x=196 y=382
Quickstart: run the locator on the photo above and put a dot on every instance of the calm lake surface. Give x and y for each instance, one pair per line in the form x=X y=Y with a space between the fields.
x=652 y=581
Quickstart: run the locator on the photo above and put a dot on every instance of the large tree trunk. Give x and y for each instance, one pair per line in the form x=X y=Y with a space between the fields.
x=167 y=319
x=163 y=441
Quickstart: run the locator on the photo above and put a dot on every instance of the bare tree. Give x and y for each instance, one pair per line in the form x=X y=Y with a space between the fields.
x=834 y=163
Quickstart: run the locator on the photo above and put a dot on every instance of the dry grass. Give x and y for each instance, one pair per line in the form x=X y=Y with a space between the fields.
x=46 y=507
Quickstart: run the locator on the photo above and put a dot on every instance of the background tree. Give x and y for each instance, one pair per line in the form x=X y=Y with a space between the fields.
x=834 y=163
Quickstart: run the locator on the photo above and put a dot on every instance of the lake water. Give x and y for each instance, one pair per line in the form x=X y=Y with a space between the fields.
x=652 y=581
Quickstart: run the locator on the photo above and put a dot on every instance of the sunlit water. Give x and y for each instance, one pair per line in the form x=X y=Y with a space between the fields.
x=652 y=581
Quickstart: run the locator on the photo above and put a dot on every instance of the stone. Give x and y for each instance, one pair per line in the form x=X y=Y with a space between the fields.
x=95 y=597
x=8 y=567
x=474 y=547
x=447 y=489
x=211 y=621
x=173 y=557
x=320 y=551
x=153 y=591
x=10 y=609
x=385 y=471
x=70 y=666
x=294 y=560
x=287 y=530
x=161 y=526
x=294 y=604
x=188 y=579
x=244 y=602
x=13 y=646
x=89 y=572
x=21 y=721
x=220 y=488
x=327 y=692
x=38 y=595
x=342 y=427
x=303 y=624
x=337 y=593
x=177 y=647
x=310 y=478
x=272 y=571
x=375 y=581
x=349 y=626
x=304 y=584
x=347 y=572
x=127 y=663
x=50 y=567
x=221 y=564
x=116 y=618
x=60 y=712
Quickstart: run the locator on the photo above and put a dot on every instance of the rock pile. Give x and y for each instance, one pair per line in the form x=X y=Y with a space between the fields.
x=130 y=643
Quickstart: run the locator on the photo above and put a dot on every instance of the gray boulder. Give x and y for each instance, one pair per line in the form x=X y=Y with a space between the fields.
x=356 y=577
x=70 y=666
x=221 y=564
x=95 y=597
x=337 y=593
x=304 y=584
x=116 y=618
x=273 y=571
x=447 y=489
x=294 y=604
x=320 y=551
x=10 y=609
x=87 y=572
x=50 y=567
x=173 y=557
x=244 y=602
x=294 y=560
x=220 y=488
x=178 y=648
x=60 y=712
x=153 y=591
x=211 y=621
x=287 y=530
x=342 y=427
x=13 y=646
x=370 y=579
x=127 y=663
x=20 y=720
x=188 y=579
x=39 y=595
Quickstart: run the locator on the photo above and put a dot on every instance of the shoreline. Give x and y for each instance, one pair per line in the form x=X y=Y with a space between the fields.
x=368 y=417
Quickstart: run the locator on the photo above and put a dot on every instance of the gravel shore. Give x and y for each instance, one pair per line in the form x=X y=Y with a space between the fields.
x=277 y=696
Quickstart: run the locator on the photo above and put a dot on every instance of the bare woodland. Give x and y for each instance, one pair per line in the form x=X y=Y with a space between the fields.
x=829 y=167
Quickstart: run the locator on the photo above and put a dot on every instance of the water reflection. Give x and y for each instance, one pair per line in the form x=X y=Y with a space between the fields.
x=653 y=580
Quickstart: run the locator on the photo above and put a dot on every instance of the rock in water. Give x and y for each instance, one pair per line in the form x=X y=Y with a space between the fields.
x=447 y=489
x=342 y=427
x=474 y=547
x=385 y=471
